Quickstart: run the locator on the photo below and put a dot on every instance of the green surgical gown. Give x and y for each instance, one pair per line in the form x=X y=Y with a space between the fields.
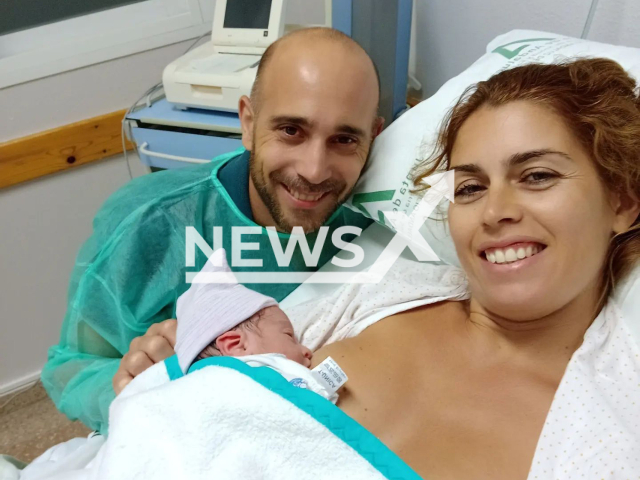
x=130 y=272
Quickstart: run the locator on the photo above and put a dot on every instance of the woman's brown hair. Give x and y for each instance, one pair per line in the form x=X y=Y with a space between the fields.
x=598 y=101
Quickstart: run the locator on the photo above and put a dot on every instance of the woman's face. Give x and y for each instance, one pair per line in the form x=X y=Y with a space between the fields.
x=531 y=220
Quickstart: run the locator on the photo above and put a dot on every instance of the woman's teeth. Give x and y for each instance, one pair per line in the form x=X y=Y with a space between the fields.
x=509 y=255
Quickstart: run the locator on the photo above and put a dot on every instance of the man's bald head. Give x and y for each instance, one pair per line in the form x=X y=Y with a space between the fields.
x=309 y=125
x=327 y=39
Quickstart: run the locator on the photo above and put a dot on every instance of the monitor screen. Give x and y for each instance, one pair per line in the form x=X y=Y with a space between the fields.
x=247 y=14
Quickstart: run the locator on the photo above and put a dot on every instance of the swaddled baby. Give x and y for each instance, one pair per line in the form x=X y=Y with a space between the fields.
x=229 y=319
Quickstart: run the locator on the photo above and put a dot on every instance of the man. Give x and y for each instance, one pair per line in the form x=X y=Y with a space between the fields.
x=307 y=130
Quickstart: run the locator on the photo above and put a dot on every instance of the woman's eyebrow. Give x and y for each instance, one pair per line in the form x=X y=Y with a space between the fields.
x=467 y=168
x=513 y=161
x=523 y=157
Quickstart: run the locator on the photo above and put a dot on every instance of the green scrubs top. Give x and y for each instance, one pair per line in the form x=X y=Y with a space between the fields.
x=130 y=272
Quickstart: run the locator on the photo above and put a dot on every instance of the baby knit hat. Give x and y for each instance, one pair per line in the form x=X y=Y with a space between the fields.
x=210 y=308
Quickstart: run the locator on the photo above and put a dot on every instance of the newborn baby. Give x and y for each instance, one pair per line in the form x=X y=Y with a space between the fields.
x=267 y=331
x=229 y=319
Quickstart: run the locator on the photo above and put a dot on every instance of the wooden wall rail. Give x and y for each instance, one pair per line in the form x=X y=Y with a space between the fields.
x=61 y=149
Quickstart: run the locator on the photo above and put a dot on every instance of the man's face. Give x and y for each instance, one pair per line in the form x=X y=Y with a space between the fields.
x=294 y=199
x=310 y=140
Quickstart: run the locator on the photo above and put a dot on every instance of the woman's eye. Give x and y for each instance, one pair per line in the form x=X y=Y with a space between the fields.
x=468 y=190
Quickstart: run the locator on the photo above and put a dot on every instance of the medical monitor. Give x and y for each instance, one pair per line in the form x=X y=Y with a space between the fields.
x=248 y=23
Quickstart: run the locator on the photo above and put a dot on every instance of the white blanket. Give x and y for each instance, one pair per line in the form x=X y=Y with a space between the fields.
x=232 y=421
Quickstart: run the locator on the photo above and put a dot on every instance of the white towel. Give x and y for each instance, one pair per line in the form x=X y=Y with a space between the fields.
x=232 y=421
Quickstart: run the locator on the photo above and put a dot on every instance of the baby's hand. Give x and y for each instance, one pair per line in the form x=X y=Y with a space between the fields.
x=145 y=351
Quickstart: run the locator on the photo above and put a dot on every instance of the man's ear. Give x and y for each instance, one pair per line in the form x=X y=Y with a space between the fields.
x=232 y=343
x=626 y=209
x=378 y=125
x=247 y=120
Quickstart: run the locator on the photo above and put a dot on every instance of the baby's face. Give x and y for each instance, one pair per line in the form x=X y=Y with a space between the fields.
x=274 y=334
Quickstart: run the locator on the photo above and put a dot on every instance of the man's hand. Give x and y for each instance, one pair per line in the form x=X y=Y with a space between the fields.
x=145 y=351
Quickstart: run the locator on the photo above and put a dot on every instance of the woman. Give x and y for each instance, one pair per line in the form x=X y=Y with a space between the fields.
x=545 y=224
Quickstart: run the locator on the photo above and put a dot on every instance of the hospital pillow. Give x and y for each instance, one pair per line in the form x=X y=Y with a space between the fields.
x=387 y=182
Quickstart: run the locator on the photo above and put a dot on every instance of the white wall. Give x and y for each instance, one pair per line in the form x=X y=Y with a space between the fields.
x=617 y=22
x=43 y=225
x=84 y=93
x=449 y=35
x=44 y=222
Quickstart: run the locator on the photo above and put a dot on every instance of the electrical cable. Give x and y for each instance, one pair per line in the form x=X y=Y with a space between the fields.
x=148 y=102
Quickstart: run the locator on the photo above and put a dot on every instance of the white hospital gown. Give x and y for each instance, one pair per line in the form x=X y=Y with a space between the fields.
x=592 y=430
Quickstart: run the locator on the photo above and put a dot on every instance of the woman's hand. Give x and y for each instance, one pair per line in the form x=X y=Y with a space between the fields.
x=145 y=351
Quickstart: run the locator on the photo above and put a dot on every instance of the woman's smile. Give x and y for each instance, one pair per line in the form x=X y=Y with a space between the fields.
x=501 y=262
x=510 y=250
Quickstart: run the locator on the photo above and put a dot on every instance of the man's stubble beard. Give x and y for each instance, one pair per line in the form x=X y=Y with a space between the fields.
x=307 y=222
